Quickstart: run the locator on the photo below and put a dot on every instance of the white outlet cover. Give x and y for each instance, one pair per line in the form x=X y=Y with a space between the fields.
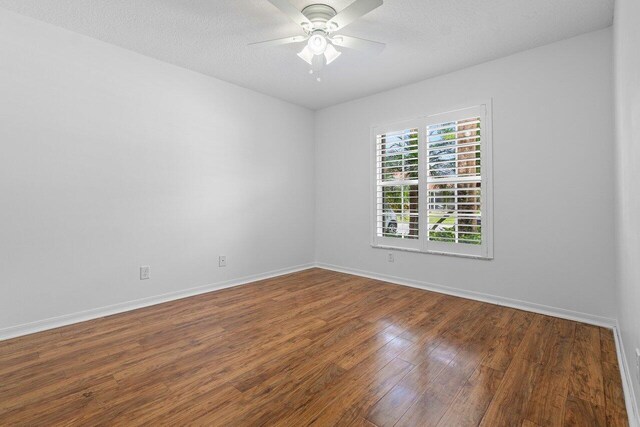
x=145 y=272
x=222 y=261
x=391 y=257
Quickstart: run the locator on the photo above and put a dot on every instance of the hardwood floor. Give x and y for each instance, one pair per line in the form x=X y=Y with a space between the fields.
x=315 y=348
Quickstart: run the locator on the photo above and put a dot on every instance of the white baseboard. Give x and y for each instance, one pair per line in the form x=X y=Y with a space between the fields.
x=68 y=319
x=627 y=380
x=479 y=296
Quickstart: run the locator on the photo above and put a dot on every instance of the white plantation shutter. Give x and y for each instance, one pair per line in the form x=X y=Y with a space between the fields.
x=443 y=206
x=454 y=177
x=397 y=195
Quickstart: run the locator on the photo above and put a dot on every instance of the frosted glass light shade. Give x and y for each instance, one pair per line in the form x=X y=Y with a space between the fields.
x=331 y=54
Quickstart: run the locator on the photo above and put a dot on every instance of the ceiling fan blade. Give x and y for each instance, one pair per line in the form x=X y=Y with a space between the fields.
x=358 y=43
x=290 y=10
x=352 y=12
x=277 y=42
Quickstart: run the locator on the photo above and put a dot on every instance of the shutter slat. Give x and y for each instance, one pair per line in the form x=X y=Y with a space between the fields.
x=450 y=124
x=438 y=144
x=453 y=154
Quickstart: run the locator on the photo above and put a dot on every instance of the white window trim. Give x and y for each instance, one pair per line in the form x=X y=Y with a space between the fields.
x=422 y=244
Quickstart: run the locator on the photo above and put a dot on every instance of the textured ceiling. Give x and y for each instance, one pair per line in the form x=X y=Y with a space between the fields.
x=424 y=38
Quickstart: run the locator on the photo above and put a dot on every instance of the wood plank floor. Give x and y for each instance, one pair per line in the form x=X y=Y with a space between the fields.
x=315 y=348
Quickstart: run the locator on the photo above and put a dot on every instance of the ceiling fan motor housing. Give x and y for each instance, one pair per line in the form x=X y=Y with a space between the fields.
x=319 y=14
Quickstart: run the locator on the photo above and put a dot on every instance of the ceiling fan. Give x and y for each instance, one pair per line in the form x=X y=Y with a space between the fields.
x=320 y=23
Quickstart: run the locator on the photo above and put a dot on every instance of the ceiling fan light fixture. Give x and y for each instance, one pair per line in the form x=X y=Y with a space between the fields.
x=306 y=55
x=319 y=22
x=331 y=54
x=317 y=44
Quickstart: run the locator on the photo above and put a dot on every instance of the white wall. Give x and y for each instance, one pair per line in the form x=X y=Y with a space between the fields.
x=553 y=177
x=627 y=51
x=110 y=160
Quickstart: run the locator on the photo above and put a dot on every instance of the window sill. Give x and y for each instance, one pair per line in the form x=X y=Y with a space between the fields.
x=453 y=254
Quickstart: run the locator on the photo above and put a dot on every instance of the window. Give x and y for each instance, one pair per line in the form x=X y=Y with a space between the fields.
x=433 y=184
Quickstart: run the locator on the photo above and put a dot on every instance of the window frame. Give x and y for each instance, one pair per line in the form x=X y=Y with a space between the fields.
x=422 y=244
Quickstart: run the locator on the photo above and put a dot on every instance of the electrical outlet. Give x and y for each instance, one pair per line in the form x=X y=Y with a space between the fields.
x=222 y=261
x=145 y=272
x=391 y=257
